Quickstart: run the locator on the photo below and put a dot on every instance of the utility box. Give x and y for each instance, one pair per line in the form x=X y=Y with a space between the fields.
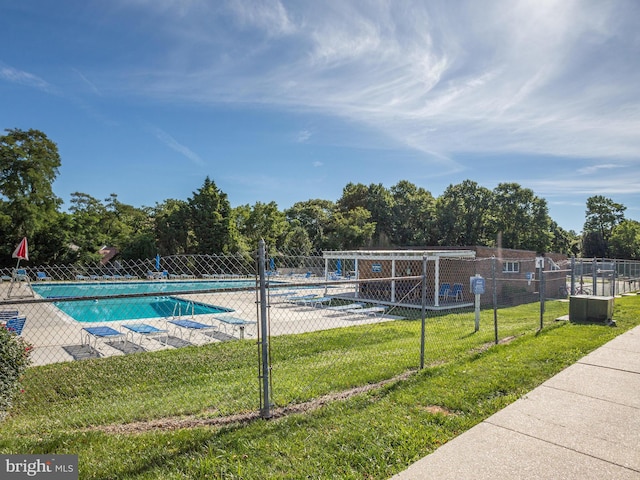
x=590 y=308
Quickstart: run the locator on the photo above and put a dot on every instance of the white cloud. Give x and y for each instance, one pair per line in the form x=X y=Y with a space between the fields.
x=21 y=77
x=172 y=143
x=555 y=78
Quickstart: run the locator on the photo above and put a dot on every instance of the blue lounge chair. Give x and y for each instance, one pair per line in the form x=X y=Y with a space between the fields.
x=191 y=326
x=145 y=330
x=16 y=324
x=89 y=334
x=42 y=277
x=6 y=315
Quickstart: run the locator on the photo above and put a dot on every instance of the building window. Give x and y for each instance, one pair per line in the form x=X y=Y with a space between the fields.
x=511 y=267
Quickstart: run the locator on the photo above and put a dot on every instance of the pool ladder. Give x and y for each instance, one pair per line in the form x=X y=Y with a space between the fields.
x=178 y=307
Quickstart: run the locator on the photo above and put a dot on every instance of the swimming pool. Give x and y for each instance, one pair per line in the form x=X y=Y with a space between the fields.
x=161 y=287
x=134 y=308
x=111 y=310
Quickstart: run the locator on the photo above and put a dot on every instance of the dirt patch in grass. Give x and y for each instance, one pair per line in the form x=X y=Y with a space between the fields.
x=192 y=421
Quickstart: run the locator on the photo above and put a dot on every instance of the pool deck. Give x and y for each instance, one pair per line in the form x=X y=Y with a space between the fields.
x=56 y=337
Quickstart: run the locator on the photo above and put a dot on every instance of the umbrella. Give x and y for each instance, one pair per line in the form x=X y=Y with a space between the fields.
x=272 y=265
x=339 y=267
x=22 y=251
x=157 y=261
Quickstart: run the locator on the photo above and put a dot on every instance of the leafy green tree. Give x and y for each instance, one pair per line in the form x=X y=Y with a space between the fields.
x=314 y=216
x=264 y=221
x=351 y=229
x=564 y=241
x=297 y=241
x=625 y=240
x=464 y=212
x=602 y=216
x=413 y=215
x=172 y=220
x=210 y=220
x=29 y=164
x=87 y=229
x=375 y=199
x=520 y=218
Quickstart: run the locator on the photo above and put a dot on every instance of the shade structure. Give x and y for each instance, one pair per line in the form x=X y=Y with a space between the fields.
x=22 y=250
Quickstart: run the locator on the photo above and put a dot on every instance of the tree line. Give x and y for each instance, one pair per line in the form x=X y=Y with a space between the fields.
x=365 y=216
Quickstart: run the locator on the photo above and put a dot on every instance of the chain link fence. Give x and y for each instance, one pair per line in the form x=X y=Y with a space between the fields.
x=276 y=329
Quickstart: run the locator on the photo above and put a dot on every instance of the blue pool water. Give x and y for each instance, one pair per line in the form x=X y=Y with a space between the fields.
x=109 y=310
x=90 y=289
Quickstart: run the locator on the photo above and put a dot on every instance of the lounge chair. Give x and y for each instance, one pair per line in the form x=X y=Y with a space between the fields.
x=16 y=324
x=20 y=275
x=456 y=291
x=347 y=307
x=6 y=315
x=89 y=334
x=191 y=326
x=371 y=311
x=314 y=302
x=144 y=330
x=42 y=277
x=235 y=323
x=300 y=298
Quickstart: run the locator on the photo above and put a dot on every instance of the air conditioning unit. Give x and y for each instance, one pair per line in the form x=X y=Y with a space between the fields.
x=590 y=308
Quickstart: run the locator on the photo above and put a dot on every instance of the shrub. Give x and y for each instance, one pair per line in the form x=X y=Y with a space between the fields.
x=14 y=359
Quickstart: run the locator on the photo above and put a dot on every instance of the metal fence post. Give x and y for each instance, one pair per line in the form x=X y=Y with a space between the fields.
x=495 y=297
x=265 y=370
x=572 y=289
x=424 y=312
x=542 y=294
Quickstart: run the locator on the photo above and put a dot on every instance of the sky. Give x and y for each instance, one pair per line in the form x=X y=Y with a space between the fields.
x=289 y=101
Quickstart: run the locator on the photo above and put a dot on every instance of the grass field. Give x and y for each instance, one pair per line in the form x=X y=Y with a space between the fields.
x=154 y=415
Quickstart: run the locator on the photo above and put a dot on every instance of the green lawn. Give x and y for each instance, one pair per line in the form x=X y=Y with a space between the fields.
x=78 y=407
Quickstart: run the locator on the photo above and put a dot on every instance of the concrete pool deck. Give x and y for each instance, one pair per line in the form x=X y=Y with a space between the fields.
x=56 y=337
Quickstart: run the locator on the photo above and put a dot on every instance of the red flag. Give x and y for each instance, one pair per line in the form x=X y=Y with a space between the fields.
x=22 y=250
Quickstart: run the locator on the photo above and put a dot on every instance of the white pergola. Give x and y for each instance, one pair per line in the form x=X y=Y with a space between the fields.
x=397 y=255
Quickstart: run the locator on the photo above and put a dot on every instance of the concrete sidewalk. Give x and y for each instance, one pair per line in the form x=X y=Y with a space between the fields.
x=584 y=423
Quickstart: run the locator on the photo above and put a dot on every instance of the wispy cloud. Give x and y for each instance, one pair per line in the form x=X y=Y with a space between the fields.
x=303 y=136
x=554 y=78
x=172 y=143
x=14 y=75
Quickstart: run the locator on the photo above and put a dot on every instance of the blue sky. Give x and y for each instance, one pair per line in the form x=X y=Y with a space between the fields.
x=287 y=101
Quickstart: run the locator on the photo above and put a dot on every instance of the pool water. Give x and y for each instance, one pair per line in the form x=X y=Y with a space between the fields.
x=161 y=287
x=109 y=310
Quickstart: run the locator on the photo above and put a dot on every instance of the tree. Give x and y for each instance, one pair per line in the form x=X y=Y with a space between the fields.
x=29 y=164
x=625 y=240
x=210 y=220
x=375 y=199
x=413 y=215
x=264 y=221
x=520 y=218
x=87 y=226
x=350 y=230
x=602 y=216
x=172 y=222
x=314 y=217
x=464 y=212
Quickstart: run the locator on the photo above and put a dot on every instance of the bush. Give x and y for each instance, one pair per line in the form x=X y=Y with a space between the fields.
x=14 y=359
